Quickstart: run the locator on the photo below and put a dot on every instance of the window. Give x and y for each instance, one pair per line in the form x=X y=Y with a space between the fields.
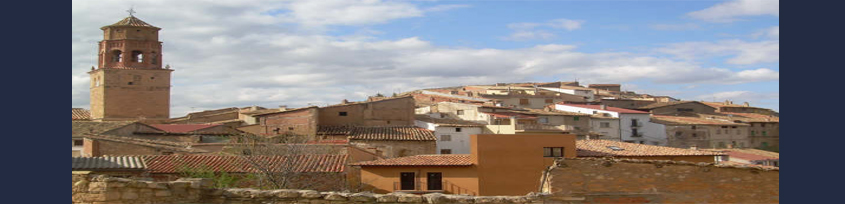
x=117 y=56
x=765 y=133
x=459 y=129
x=605 y=125
x=694 y=135
x=734 y=127
x=446 y=151
x=137 y=56
x=577 y=118
x=635 y=123
x=154 y=58
x=446 y=138
x=435 y=181
x=408 y=181
x=555 y=152
x=762 y=124
x=454 y=92
x=679 y=134
x=694 y=127
x=167 y=153
x=343 y=114
x=77 y=143
x=460 y=112
x=524 y=102
x=724 y=127
x=753 y=133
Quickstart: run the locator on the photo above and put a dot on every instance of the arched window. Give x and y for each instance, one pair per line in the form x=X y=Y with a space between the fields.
x=117 y=56
x=137 y=56
x=154 y=58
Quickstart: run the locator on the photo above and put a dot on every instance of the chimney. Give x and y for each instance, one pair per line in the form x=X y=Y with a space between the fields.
x=283 y=107
x=344 y=101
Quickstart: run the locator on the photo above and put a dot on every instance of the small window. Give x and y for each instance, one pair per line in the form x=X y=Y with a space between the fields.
x=694 y=127
x=460 y=112
x=694 y=135
x=459 y=129
x=446 y=138
x=605 y=125
x=555 y=152
x=724 y=127
x=290 y=128
x=77 y=143
x=765 y=133
x=343 y=114
x=167 y=153
x=762 y=124
x=446 y=151
x=524 y=102
x=577 y=118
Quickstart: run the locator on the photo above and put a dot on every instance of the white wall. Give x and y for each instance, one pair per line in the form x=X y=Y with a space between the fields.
x=610 y=133
x=460 y=140
x=585 y=110
x=653 y=133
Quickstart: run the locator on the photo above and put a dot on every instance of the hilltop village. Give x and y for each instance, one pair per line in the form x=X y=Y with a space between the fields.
x=505 y=139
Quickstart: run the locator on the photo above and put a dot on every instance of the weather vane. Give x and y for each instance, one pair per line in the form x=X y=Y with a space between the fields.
x=131 y=11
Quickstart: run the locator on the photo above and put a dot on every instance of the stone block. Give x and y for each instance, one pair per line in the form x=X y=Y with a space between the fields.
x=332 y=196
x=363 y=198
x=387 y=198
x=408 y=198
x=286 y=194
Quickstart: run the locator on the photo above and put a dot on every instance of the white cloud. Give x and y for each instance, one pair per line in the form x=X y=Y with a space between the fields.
x=228 y=55
x=675 y=27
x=732 y=11
x=771 y=33
x=537 y=31
x=446 y=7
x=744 y=53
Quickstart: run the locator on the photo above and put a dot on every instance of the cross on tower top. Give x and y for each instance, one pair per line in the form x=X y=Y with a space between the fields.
x=131 y=11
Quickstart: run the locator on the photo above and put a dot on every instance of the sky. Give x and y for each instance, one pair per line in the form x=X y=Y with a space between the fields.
x=301 y=52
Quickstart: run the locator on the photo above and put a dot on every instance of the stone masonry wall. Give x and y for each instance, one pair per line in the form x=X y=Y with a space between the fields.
x=107 y=190
x=638 y=181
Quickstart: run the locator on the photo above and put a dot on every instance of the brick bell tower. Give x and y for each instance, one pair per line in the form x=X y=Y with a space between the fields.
x=130 y=83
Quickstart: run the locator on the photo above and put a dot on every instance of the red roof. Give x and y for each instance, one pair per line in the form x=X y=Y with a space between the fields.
x=612 y=109
x=749 y=157
x=238 y=164
x=79 y=114
x=182 y=128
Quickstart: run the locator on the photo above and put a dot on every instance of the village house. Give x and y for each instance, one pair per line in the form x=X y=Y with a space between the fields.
x=606 y=126
x=498 y=165
x=533 y=101
x=427 y=98
x=453 y=135
x=729 y=106
x=386 y=141
x=607 y=87
x=624 y=150
x=109 y=145
x=79 y=129
x=764 y=130
x=750 y=157
x=703 y=131
x=635 y=126
x=678 y=108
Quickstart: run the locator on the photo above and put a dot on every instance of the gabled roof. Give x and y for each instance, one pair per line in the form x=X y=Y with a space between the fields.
x=692 y=120
x=530 y=111
x=448 y=122
x=79 y=114
x=180 y=128
x=80 y=128
x=159 y=144
x=599 y=107
x=509 y=115
x=107 y=164
x=752 y=117
x=660 y=105
x=381 y=133
x=275 y=111
x=422 y=160
x=131 y=21
x=453 y=96
x=244 y=164
x=605 y=148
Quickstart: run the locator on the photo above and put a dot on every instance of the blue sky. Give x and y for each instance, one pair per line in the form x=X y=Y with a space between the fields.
x=269 y=53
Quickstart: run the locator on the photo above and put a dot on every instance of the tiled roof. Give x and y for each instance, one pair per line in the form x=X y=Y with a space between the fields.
x=660 y=105
x=602 y=148
x=79 y=114
x=694 y=120
x=177 y=128
x=384 y=133
x=422 y=160
x=749 y=154
x=454 y=96
x=160 y=144
x=202 y=114
x=132 y=21
x=241 y=164
x=752 y=117
x=400 y=133
x=107 y=164
x=366 y=102
x=448 y=122
x=529 y=111
x=275 y=111
x=80 y=128
x=612 y=109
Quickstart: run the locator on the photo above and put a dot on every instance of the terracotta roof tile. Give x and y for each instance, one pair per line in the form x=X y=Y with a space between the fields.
x=602 y=148
x=695 y=120
x=422 y=160
x=132 y=21
x=240 y=164
x=179 y=128
x=80 y=128
x=752 y=117
x=448 y=122
x=509 y=114
x=79 y=114
x=401 y=133
x=660 y=105
x=174 y=146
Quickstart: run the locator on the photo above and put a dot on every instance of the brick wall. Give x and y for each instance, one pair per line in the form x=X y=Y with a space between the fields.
x=639 y=181
x=303 y=122
x=394 y=149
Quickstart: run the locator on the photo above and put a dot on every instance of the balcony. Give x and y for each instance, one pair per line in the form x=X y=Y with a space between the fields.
x=421 y=189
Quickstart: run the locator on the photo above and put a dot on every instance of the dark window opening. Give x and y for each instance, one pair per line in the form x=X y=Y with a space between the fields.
x=131 y=83
x=167 y=153
x=446 y=151
x=154 y=58
x=117 y=56
x=343 y=114
x=77 y=143
x=459 y=129
x=555 y=152
x=137 y=56
x=408 y=180
x=435 y=181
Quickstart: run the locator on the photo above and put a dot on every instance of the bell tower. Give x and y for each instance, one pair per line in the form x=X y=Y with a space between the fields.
x=130 y=82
